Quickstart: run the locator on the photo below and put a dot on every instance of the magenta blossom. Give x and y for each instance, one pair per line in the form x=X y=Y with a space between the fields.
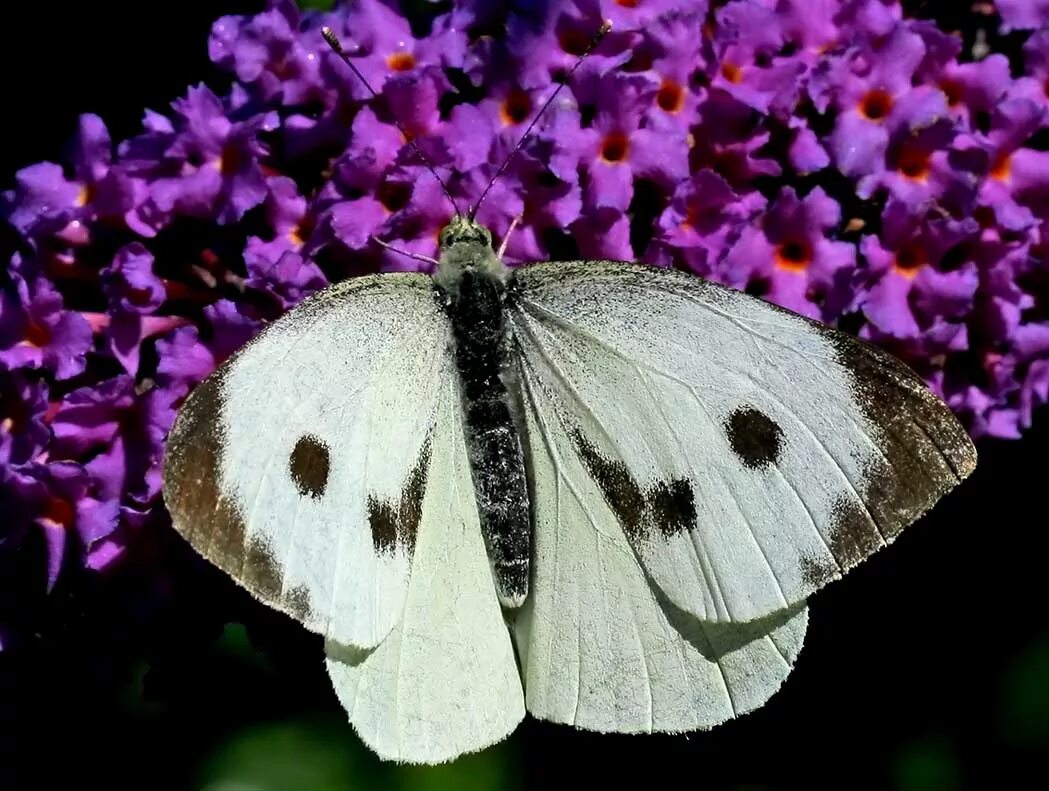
x=843 y=159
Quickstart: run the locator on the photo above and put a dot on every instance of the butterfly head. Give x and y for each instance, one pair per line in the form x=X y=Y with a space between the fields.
x=463 y=230
x=466 y=247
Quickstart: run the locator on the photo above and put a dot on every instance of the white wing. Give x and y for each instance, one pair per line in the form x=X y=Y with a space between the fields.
x=749 y=455
x=298 y=466
x=444 y=682
x=600 y=647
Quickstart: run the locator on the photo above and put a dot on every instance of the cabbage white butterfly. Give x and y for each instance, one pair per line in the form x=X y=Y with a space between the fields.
x=596 y=491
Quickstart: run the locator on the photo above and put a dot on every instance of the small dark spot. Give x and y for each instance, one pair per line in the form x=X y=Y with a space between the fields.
x=261 y=566
x=396 y=525
x=309 y=465
x=754 y=437
x=673 y=506
x=854 y=534
x=297 y=601
x=816 y=573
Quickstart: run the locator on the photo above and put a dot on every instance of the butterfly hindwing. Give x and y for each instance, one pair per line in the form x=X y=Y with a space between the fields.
x=299 y=466
x=600 y=647
x=749 y=455
x=445 y=681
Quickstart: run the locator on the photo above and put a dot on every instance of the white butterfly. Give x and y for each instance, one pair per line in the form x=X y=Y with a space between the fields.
x=633 y=477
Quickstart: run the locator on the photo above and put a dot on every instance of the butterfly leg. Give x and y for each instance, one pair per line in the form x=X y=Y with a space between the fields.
x=416 y=256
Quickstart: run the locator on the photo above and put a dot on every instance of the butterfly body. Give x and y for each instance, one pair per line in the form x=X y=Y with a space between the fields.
x=597 y=491
x=471 y=283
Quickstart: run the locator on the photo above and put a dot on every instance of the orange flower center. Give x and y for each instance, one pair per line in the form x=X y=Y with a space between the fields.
x=84 y=196
x=628 y=3
x=394 y=195
x=615 y=147
x=671 y=96
x=574 y=42
x=516 y=107
x=985 y=216
x=794 y=255
x=1002 y=167
x=400 y=61
x=732 y=72
x=231 y=161
x=37 y=335
x=59 y=511
x=953 y=91
x=876 y=104
x=909 y=259
x=914 y=163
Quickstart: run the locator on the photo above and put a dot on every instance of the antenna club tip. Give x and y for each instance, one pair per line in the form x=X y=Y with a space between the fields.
x=331 y=38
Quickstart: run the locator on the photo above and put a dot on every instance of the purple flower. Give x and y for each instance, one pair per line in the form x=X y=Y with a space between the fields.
x=59 y=499
x=616 y=149
x=1023 y=14
x=36 y=332
x=914 y=284
x=705 y=217
x=203 y=164
x=873 y=91
x=749 y=38
x=23 y=417
x=267 y=53
x=838 y=158
x=788 y=259
x=45 y=202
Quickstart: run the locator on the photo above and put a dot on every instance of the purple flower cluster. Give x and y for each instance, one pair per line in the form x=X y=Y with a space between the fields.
x=836 y=157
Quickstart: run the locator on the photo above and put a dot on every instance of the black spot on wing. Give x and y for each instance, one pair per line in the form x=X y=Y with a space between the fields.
x=621 y=491
x=667 y=506
x=309 y=465
x=396 y=525
x=673 y=506
x=755 y=437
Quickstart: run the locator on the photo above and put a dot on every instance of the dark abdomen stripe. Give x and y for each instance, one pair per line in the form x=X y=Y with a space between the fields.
x=492 y=441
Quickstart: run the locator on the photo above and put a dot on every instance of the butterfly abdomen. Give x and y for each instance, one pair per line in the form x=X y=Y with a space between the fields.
x=475 y=307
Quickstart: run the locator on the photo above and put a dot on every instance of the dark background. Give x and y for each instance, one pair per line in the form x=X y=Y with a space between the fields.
x=927 y=667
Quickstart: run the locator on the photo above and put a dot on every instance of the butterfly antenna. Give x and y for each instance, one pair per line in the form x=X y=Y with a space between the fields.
x=594 y=41
x=333 y=42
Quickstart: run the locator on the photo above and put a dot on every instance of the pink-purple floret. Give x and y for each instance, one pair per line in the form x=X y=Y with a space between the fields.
x=837 y=158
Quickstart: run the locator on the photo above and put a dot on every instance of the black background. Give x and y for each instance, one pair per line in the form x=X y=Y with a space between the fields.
x=916 y=653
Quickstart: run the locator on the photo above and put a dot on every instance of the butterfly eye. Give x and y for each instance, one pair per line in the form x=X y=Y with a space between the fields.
x=309 y=465
x=754 y=437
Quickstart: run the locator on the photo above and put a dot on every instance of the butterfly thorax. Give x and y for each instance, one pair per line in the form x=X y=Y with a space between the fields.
x=471 y=284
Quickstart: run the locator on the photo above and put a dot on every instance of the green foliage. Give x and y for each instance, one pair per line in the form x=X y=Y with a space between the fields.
x=927 y=765
x=318 y=753
x=1023 y=705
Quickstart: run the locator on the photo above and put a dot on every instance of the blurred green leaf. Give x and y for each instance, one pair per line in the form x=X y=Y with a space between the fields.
x=494 y=768
x=927 y=765
x=323 y=753
x=1023 y=704
x=308 y=754
x=319 y=5
x=235 y=643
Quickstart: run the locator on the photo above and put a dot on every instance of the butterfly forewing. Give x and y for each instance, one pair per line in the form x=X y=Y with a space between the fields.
x=299 y=467
x=749 y=455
